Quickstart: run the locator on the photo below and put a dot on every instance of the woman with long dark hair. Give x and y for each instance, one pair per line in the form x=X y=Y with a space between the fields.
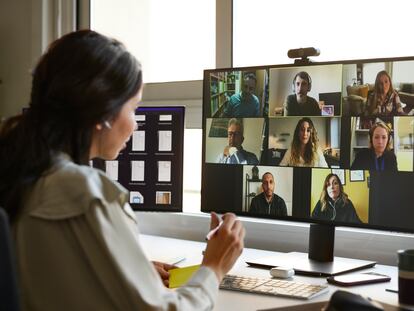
x=76 y=236
x=304 y=149
x=334 y=203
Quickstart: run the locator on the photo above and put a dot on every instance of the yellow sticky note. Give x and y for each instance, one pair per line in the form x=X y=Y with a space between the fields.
x=180 y=276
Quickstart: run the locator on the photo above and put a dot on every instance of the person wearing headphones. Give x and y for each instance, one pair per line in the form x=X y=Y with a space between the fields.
x=245 y=103
x=299 y=103
x=234 y=153
x=378 y=157
x=334 y=203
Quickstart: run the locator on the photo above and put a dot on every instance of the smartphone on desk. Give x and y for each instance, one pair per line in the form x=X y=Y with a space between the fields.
x=358 y=279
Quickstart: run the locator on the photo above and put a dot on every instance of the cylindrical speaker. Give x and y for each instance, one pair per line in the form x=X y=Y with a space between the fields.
x=321 y=242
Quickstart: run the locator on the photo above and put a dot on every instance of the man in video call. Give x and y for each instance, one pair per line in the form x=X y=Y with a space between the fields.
x=300 y=104
x=245 y=103
x=234 y=152
x=267 y=202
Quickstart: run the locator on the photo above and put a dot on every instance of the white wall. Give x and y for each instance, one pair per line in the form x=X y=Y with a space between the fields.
x=402 y=72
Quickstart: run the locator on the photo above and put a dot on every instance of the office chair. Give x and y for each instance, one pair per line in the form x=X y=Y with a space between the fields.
x=9 y=294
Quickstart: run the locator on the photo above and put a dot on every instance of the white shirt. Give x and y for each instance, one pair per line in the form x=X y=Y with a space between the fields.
x=319 y=159
x=77 y=246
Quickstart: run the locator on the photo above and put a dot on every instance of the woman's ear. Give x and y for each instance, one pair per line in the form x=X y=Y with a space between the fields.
x=99 y=126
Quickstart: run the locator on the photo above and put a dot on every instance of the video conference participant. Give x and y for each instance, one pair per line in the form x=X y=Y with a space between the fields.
x=234 y=153
x=245 y=103
x=384 y=101
x=267 y=202
x=378 y=157
x=299 y=103
x=304 y=149
x=334 y=203
x=85 y=91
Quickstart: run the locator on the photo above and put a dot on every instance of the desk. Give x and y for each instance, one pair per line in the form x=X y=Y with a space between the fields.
x=162 y=249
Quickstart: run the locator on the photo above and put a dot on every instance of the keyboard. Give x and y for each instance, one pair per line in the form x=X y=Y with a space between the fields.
x=270 y=286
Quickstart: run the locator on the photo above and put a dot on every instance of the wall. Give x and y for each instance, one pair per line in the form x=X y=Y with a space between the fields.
x=15 y=55
x=27 y=28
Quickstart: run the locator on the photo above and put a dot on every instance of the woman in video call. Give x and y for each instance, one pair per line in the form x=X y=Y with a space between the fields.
x=384 y=101
x=304 y=149
x=76 y=236
x=378 y=157
x=334 y=203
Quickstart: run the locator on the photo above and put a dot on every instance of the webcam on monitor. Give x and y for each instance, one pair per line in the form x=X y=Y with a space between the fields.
x=302 y=55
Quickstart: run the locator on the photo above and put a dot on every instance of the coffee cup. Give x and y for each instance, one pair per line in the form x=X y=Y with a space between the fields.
x=406 y=276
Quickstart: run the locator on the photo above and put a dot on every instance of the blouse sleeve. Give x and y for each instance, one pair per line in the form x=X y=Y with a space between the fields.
x=286 y=159
x=123 y=270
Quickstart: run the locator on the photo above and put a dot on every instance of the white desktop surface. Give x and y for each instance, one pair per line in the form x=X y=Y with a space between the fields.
x=164 y=249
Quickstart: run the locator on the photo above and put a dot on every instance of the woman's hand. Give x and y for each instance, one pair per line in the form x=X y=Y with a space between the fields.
x=162 y=269
x=225 y=246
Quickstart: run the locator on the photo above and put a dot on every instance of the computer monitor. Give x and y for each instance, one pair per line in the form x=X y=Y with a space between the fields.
x=156 y=146
x=329 y=144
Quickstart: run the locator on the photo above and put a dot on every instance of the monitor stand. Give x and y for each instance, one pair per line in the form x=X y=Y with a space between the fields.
x=320 y=260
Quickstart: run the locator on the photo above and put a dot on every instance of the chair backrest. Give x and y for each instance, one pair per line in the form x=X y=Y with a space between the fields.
x=9 y=293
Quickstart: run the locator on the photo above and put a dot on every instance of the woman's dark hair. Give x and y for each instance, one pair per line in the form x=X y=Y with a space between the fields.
x=310 y=148
x=82 y=80
x=324 y=194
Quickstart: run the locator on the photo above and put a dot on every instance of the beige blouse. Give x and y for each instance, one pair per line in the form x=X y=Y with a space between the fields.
x=319 y=159
x=77 y=246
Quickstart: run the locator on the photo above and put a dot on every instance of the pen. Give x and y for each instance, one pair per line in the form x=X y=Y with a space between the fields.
x=391 y=290
x=213 y=231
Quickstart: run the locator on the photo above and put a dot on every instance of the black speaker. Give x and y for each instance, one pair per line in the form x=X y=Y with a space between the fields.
x=303 y=52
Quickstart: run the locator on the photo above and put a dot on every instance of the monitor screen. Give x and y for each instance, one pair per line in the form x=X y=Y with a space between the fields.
x=157 y=146
x=329 y=143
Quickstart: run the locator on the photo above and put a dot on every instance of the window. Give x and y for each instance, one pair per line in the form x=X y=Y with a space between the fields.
x=174 y=40
x=264 y=30
x=192 y=170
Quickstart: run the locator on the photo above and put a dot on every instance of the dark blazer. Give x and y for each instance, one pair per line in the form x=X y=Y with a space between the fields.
x=259 y=206
x=367 y=160
x=339 y=211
